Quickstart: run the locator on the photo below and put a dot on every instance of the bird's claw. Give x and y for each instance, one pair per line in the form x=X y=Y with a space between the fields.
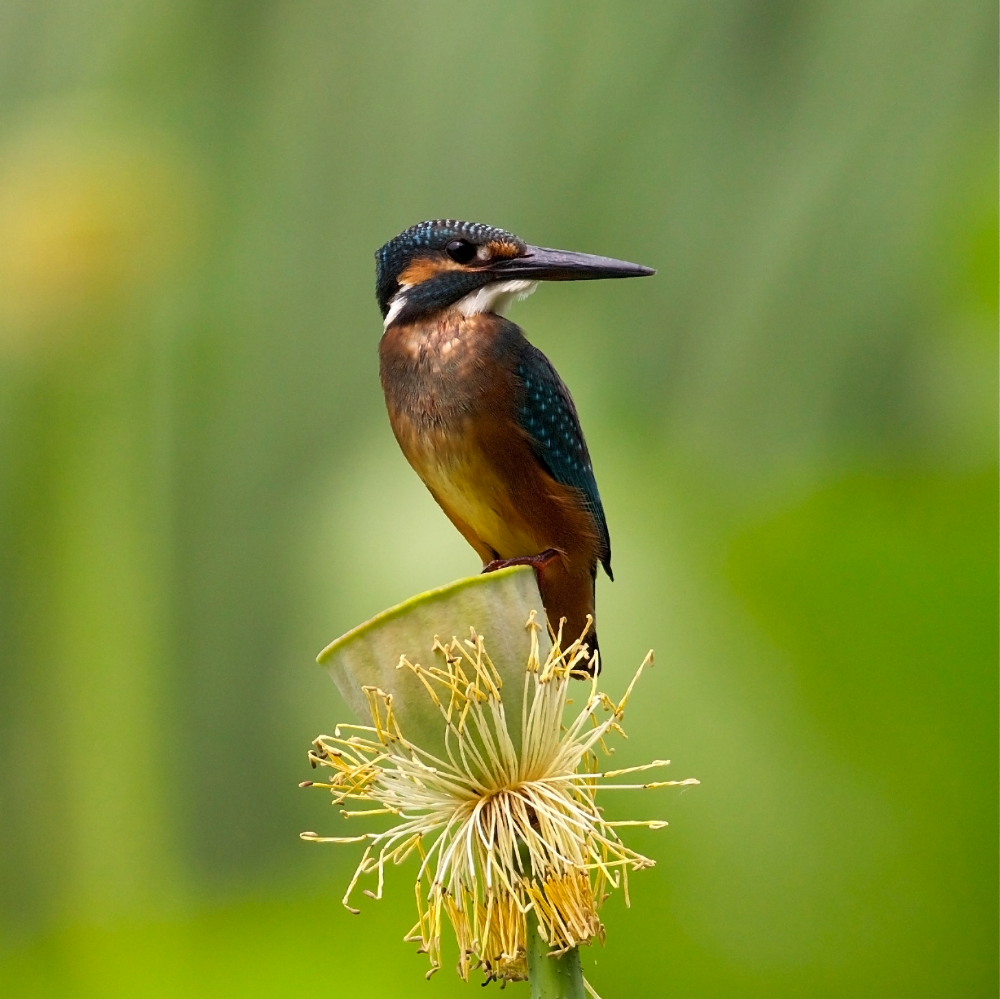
x=537 y=562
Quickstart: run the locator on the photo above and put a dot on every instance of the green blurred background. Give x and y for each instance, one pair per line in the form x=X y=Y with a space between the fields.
x=793 y=426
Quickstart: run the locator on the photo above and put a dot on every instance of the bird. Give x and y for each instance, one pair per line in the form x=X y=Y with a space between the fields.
x=481 y=414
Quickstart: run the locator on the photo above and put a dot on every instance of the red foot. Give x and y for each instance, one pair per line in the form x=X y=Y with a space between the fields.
x=538 y=562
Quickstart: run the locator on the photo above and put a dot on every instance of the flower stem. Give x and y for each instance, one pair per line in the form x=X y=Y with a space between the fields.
x=552 y=977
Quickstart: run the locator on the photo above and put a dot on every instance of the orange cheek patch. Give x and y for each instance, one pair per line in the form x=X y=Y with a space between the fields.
x=424 y=268
x=505 y=250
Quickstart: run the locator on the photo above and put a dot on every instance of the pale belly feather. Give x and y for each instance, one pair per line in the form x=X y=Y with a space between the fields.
x=470 y=490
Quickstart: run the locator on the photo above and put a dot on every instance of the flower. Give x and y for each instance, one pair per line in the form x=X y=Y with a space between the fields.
x=504 y=819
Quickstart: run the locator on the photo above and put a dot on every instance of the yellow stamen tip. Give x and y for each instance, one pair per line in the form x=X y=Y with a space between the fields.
x=504 y=827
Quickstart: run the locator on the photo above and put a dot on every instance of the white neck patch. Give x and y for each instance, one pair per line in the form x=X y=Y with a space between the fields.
x=396 y=306
x=496 y=297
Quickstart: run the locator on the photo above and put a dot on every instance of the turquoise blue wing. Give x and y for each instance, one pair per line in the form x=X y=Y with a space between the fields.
x=549 y=416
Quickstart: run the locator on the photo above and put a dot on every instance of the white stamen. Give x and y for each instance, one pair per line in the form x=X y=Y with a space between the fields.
x=502 y=825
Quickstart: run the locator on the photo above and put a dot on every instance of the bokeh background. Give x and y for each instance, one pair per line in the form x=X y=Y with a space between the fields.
x=793 y=427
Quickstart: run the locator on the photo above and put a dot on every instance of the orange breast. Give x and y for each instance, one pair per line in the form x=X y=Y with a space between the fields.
x=451 y=400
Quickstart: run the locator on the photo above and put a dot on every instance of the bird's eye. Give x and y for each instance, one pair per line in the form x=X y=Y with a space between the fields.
x=460 y=250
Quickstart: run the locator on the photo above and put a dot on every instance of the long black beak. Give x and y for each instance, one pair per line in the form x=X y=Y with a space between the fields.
x=542 y=264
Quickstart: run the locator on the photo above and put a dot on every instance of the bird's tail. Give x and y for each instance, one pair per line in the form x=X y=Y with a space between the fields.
x=569 y=599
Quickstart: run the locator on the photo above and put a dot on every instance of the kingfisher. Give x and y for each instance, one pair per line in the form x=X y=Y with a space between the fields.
x=482 y=415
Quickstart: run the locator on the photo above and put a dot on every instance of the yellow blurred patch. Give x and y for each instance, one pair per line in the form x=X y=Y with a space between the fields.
x=94 y=212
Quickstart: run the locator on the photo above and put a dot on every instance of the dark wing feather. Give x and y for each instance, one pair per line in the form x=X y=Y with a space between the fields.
x=549 y=416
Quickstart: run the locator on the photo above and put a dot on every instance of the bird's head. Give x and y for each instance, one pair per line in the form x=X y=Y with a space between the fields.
x=471 y=267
